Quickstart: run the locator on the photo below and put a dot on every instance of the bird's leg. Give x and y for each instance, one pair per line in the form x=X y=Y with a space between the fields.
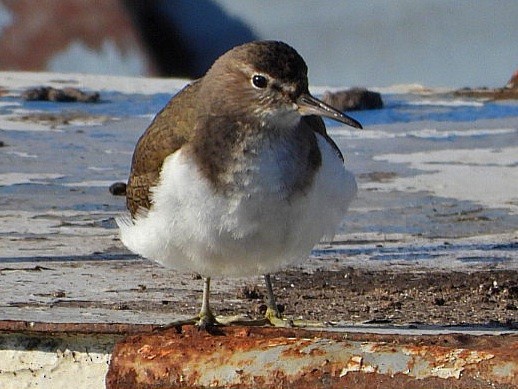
x=204 y=320
x=272 y=311
x=273 y=315
x=207 y=318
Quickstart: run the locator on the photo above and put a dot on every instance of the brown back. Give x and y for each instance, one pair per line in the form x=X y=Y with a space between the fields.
x=171 y=128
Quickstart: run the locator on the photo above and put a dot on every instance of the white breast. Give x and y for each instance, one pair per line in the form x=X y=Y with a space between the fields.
x=255 y=231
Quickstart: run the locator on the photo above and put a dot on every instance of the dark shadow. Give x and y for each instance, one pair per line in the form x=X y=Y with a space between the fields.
x=185 y=37
x=122 y=256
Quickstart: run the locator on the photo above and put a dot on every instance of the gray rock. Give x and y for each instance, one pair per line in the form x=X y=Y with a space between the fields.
x=65 y=95
x=355 y=99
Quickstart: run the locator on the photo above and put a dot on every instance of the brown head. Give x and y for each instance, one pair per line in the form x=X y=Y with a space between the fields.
x=266 y=80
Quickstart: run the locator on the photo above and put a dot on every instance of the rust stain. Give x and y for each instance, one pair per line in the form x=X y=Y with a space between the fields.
x=76 y=328
x=280 y=358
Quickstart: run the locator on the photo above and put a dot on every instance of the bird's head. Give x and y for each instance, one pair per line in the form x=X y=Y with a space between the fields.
x=265 y=81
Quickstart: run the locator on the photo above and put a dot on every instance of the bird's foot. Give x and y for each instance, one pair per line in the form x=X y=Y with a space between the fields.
x=301 y=323
x=178 y=323
x=206 y=321
x=246 y=321
x=240 y=320
x=274 y=318
x=269 y=319
x=203 y=321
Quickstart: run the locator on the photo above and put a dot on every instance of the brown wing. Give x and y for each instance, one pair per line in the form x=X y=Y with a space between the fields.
x=171 y=128
x=317 y=124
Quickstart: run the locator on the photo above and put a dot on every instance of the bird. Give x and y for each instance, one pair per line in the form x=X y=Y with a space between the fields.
x=236 y=175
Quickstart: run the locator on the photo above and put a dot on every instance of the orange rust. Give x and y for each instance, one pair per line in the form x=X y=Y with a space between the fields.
x=196 y=359
x=298 y=349
x=243 y=333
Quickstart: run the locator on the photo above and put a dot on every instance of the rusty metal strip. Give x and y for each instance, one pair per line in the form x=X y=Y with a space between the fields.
x=238 y=357
x=76 y=328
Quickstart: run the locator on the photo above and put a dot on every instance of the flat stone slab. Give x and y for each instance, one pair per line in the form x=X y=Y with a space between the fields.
x=122 y=288
x=435 y=196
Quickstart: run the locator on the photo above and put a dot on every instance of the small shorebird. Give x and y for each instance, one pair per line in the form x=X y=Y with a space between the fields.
x=237 y=175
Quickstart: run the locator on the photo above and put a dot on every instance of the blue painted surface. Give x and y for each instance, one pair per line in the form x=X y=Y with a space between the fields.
x=397 y=108
x=88 y=158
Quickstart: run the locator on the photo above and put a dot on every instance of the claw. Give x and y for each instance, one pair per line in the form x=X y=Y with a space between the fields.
x=275 y=319
x=206 y=321
x=178 y=324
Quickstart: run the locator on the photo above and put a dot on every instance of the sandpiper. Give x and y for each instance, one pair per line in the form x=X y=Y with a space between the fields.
x=237 y=175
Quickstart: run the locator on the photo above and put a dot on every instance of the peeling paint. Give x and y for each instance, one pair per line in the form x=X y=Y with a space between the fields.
x=276 y=358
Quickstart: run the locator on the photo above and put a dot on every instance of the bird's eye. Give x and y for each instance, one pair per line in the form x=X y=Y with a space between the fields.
x=259 y=81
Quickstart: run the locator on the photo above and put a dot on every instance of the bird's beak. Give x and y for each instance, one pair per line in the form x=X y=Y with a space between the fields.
x=308 y=105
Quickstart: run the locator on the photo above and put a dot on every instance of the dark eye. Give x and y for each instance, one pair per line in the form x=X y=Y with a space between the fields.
x=259 y=81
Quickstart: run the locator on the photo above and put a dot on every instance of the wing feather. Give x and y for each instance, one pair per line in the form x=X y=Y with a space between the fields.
x=169 y=131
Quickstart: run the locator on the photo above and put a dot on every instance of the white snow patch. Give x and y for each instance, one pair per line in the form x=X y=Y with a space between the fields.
x=140 y=85
x=432 y=133
x=485 y=176
x=425 y=133
x=447 y=103
x=99 y=168
x=21 y=154
x=345 y=132
x=99 y=183
x=27 y=178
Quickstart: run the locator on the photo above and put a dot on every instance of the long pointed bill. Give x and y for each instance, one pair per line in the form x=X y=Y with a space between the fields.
x=309 y=105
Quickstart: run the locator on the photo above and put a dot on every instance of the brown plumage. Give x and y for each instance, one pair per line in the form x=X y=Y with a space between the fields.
x=171 y=128
x=185 y=118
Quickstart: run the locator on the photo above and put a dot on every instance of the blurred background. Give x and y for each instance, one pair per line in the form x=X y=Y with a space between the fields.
x=453 y=43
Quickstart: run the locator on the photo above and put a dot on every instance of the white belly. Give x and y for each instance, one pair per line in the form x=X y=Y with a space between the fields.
x=190 y=228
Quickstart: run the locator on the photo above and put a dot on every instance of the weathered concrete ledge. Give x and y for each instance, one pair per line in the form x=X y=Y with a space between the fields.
x=52 y=355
